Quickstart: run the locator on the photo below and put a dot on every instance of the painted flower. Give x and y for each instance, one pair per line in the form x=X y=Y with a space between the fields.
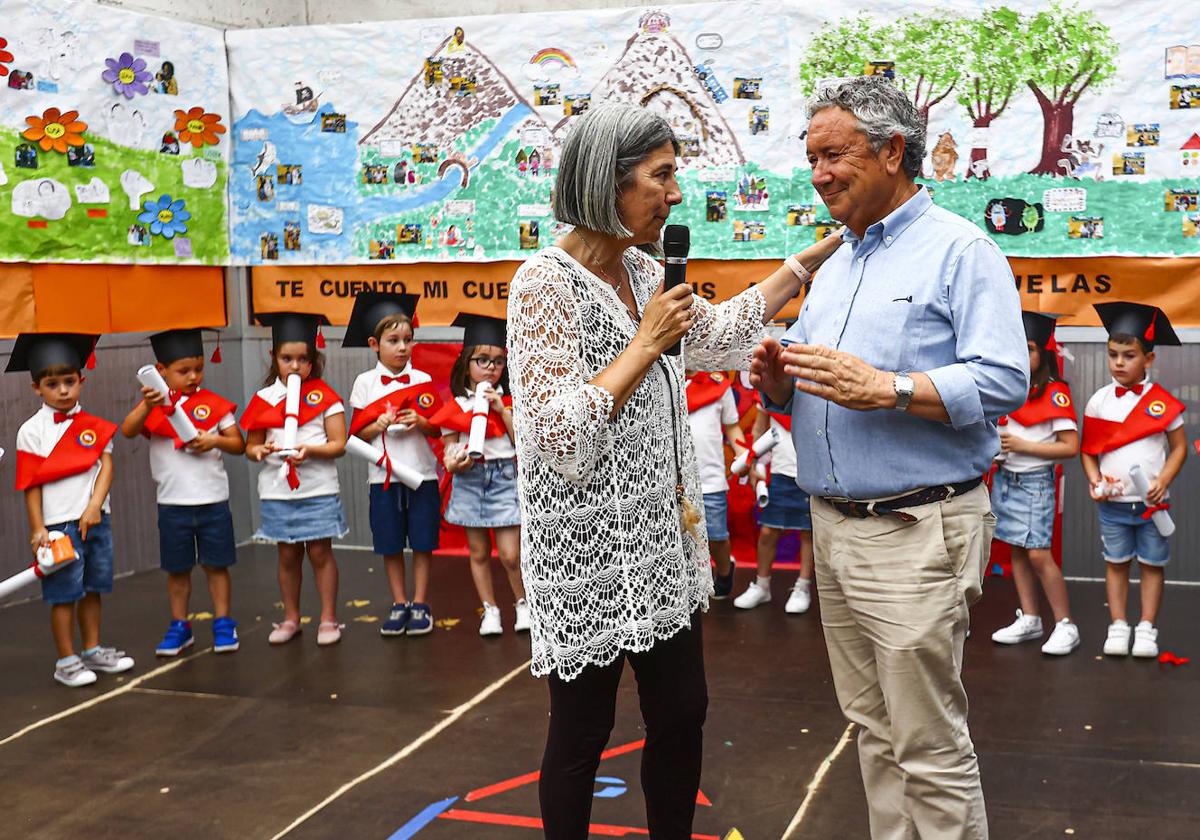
x=127 y=75
x=166 y=217
x=198 y=128
x=55 y=130
x=5 y=57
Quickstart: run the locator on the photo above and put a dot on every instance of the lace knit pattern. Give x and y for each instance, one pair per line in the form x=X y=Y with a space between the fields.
x=605 y=565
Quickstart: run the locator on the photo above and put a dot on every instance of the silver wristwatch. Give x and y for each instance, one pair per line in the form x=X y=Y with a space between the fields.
x=904 y=390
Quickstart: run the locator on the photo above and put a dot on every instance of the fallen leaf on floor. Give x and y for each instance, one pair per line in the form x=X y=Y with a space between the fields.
x=279 y=605
x=446 y=623
x=365 y=619
x=306 y=619
x=200 y=616
x=357 y=603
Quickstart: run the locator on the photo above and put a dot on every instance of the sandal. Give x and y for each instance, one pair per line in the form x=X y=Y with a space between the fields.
x=283 y=632
x=329 y=633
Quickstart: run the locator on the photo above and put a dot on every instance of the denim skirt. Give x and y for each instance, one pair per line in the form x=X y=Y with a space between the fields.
x=1024 y=507
x=485 y=496
x=302 y=520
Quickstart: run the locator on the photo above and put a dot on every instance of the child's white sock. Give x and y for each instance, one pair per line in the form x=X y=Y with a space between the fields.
x=763 y=582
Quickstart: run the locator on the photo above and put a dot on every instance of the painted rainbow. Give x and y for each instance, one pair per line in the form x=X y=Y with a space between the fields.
x=552 y=57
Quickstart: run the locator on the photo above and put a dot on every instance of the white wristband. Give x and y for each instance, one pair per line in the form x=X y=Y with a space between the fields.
x=802 y=273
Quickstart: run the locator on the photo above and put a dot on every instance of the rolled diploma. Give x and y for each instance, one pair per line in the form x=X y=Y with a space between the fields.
x=1161 y=519
x=767 y=441
x=478 y=421
x=291 y=412
x=360 y=448
x=45 y=564
x=151 y=378
x=760 y=490
x=18 y=581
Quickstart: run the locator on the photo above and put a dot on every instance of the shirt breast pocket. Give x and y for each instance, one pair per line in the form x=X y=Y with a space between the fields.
x=890 y=333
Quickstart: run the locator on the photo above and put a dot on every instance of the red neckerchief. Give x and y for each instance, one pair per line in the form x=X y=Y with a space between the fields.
x=315 y=399
x=454 y=417
x=421 y=398
x=204 y=408
x=1156 y=410
x=705 y=389
x=1054 y=403
x=76 y=451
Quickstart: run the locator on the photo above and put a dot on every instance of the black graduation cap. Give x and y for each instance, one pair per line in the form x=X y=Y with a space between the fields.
x=372 y=307
x=1039 y=327
x=173 y=345
x=1149 y=323
x=293 y=326
x=38 y=351
x=482 y=329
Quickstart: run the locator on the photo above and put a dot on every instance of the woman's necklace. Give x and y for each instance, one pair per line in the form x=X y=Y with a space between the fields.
x=604 y=275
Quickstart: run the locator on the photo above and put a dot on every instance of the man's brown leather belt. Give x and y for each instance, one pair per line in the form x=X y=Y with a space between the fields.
x=892 y=507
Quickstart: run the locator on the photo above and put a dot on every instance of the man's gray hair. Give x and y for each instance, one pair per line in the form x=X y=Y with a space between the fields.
x=882 y=111
x=598 y=158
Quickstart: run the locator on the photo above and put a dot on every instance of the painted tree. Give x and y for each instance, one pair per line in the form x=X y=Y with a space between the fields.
x=1067 y=50
x=993 y=71
x=930 y=52
x=843 y=48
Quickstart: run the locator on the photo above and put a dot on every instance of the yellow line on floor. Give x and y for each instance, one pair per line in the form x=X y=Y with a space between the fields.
x=815 y=784
x=408 y=750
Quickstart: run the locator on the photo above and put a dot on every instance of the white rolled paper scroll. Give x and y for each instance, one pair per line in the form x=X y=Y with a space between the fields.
x=480 y=410
x=406 y=475
x=767 y=441
x=760 y=491
x=149 y=376
x=291 y=413
x=1141 y=484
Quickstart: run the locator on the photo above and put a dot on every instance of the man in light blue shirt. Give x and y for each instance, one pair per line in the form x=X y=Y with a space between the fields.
x=908 y=348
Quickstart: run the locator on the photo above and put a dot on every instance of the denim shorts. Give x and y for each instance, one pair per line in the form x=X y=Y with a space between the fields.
x=92 y=572
x=401 y=517
x=188 y=534
x=787 y=508
x=1125 y=535
x=1024 y=507
x=716 y=515
x=485 y=496
x=302 y=520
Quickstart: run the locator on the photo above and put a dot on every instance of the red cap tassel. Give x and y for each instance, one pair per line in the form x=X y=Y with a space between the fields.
x=320 y=339
x=1149 y=333
x=91 y=362
x=216 y=356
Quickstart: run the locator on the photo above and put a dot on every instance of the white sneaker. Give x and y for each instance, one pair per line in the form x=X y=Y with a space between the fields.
x=1025 y=629
x=1117 y=643
x=522 y=616
x=1063 y=639
x=801 y=598
x=490 y=626
x=1145 y=641
x=752 y=597
x=74 y=673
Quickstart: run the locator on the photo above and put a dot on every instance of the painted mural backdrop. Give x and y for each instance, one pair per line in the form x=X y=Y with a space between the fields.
x=113 y=136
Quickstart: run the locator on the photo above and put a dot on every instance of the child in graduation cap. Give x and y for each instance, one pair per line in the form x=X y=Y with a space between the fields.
x=195 y=524
x=483 y=495
x=392 y=404
x=1023 y=493
x=64 y=465
x=298 y=489
x=713 y=418
x=1133 y=422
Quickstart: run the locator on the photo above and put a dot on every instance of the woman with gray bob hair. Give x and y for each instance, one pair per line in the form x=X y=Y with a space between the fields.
x=882 y=111
x=615 y=565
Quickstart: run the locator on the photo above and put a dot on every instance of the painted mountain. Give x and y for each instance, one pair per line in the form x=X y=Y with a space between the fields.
x=655 y=71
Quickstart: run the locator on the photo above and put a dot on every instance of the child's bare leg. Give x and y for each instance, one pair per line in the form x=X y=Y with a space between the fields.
x=325 y=572
x=291 y=575
x=393 y=564
x=768 y=545
x=1116 y=586
x=719 y=549
x=508 y=546
x=479 y=549
x=179 y=592
x=219 y=588
x=1052 y=580
x=806 y=555
x=62 y=625
x=1025 y=580
x=88 y=612
x=1151 y=583
x=422 y=560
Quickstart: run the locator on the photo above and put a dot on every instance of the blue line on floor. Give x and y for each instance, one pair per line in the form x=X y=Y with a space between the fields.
x=410 y=828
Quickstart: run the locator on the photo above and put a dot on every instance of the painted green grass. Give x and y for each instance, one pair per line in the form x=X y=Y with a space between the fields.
x=78 y=237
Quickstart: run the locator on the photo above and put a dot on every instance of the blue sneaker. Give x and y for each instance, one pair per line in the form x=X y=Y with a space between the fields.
x=396 y=621
x=420 y=620
x=225 y=637
x=178 y=639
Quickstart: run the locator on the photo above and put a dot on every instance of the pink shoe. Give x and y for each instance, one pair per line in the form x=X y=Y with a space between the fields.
x=329 y=633
x=283 y=632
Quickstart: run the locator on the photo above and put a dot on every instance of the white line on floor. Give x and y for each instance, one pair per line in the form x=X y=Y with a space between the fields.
x=96 y=701
x=412 y=747
x=174 y=692
x=815 y=784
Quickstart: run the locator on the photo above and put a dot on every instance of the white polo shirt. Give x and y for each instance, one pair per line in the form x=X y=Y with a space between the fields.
x=1044 y=432
x=1150 y=452
x=318 y=476
x=66 y=499
x=708 y=438
x=410 y=448
x=189 y=478
x=783 y=456
x=494 y=448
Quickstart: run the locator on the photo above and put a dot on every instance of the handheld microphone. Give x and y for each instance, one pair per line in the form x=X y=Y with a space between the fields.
x=676 y=242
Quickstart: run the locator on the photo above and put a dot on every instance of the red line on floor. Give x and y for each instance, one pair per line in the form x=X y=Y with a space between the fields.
x=529 y=778
x=600 y=829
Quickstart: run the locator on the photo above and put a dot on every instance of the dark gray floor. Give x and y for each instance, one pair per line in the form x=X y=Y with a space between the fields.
x=239 y=746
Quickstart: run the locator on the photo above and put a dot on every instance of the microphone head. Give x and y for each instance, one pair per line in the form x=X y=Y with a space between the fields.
x=677 y=239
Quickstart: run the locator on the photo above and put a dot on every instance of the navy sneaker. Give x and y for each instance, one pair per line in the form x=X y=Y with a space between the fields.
x=225 y=637
x=178 y=639
x=396 y=621
x=420 y=620
x=723 y=585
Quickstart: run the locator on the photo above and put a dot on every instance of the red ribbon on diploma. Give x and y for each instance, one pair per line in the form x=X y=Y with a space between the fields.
x=1150 y=511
